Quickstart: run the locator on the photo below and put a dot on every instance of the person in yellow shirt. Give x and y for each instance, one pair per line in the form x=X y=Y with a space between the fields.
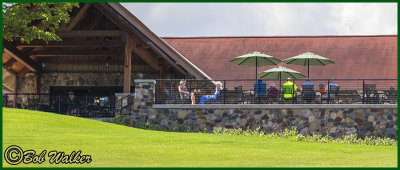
x=287 y=89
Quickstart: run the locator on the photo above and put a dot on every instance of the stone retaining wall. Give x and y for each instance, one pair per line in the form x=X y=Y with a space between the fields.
x=337 y=120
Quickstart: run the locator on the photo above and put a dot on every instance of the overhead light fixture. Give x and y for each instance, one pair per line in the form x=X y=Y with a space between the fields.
x=108 y=62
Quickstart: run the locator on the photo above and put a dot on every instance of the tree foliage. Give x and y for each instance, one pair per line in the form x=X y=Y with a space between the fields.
x=29 y=21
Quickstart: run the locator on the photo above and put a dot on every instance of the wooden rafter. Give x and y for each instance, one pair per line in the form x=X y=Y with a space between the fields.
x=94 y=21
x=21 y=57
x=22 y=72
x=83 y=52
x=82 y=12
x=9 y=63
x=90 y=33
x=145 y=55
x=51 y=44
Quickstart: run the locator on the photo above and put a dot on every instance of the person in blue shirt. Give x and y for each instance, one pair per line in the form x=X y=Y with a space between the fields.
x=260 y=88
x=308 y=83
x=308 y=93
x=331 y=83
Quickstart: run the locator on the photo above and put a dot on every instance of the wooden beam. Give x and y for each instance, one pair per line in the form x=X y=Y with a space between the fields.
x=22 y=72
x=56 y=52
x=128 y=65
x=21 y=57
x=145 y=54
x=51 y=44
x=82 y=12
x=91 y=33
x=94 y=21
x=80 y=62
x=9 y=63
x=37 y=83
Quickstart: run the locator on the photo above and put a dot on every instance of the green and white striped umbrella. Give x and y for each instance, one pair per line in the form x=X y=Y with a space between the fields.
x=256 y=59
x=280 y=73
x=307 y=59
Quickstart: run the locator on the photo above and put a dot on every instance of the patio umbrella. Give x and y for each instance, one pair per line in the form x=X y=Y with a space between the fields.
x=280 y=73
x=307 y=59
x=256 y=59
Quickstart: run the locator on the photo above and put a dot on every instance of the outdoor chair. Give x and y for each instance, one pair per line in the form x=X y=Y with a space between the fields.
x=391 y=95
x=308 y=93
x=369 y=93
x=170 y=97
x=239 y=95
x=333 y=92
x=259 y=93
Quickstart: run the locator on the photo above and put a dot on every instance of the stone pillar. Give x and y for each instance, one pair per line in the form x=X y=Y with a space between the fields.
x=144 y=99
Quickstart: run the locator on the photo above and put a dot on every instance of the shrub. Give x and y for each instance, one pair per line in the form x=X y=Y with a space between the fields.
x=314 y=138
x=121 y=120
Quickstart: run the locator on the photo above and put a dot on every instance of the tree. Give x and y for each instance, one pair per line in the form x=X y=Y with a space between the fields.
x=29 y=21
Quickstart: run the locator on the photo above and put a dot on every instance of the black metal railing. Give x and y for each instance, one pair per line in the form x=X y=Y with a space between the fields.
x=250 y=91
x=77 y=105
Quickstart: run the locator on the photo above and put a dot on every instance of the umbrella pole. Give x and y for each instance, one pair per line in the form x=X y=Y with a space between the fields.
x=256 y=67
x=308 y=63
x=280 y=81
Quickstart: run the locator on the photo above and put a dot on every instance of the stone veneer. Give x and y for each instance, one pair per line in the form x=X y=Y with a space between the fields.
x=26 y=83
x=337 y=120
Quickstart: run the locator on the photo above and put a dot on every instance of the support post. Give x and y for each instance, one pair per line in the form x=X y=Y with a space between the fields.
x=128 y=65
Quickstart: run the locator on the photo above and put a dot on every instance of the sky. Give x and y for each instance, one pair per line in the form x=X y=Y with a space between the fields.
x=266 y=19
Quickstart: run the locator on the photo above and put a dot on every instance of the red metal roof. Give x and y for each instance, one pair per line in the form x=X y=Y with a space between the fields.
x=355 y=57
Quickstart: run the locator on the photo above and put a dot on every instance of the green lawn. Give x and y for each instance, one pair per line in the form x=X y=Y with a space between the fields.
x=114 y=145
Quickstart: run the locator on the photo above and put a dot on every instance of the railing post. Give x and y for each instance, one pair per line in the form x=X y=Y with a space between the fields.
x=120 y=109
x=329 y=90
x=258 y=85
x=363 y=92
x=6 y=100
x=156 y=91
x=59 y=105
x=293 y=92
x=86 y=105
x=224 y=90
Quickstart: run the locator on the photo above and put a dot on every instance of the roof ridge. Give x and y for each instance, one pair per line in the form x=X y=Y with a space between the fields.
x=294 y=36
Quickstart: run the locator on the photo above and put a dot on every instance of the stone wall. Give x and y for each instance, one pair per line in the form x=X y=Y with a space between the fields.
x=337 y=120
x=25 y=83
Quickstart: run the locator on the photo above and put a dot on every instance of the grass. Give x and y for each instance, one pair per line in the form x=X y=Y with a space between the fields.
x=112 y=145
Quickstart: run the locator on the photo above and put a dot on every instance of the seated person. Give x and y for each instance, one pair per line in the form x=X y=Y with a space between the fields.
x=273 y=93
x=331 y=84
x=184 y=93
x=288 y=91
x=308 y=92
x=215 y=96
x=260 y=88
x=322 y=88
x=72 y=104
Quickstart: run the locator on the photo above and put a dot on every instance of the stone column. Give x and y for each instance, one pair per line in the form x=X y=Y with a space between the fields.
x=144 y=99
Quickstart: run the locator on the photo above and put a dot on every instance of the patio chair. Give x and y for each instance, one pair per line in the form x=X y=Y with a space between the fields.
x=369 y=93
x=239 y=95
x=391 y=95
x=333 y=92
x=308 y=93
x=170 y=97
